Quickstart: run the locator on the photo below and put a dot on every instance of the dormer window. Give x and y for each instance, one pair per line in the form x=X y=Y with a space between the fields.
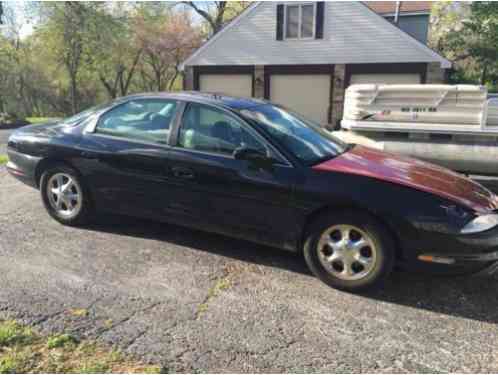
x=300 y=21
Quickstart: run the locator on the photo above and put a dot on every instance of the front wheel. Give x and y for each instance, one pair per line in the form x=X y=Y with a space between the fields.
x=64 y=195
x=349 y=251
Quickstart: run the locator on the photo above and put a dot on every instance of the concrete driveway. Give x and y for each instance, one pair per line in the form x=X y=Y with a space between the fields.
x=194 y=302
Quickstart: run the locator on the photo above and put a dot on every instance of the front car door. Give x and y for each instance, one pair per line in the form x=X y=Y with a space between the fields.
x=217 y=191
x=125 y=156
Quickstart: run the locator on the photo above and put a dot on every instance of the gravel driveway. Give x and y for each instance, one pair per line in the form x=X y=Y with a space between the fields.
x=193 y=301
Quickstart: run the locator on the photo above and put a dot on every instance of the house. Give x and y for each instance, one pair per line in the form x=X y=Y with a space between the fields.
x=304 y=55
x=413 y=17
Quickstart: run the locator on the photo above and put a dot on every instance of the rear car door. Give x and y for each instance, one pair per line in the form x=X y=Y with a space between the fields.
x=125 y=157
x=216 y=190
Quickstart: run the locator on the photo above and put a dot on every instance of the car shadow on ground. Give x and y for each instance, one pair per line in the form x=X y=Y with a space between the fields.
x=468 y=297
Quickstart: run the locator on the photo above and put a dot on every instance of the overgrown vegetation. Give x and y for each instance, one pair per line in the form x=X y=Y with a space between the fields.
x=22 y=351
x=3 y=159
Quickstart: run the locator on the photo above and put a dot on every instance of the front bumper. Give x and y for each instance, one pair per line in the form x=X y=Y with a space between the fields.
x=457 y=254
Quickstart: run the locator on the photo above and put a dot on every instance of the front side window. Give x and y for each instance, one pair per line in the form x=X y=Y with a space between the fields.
x=141 y=119
x=299 y=21
x=306 y=140
x=212 y=130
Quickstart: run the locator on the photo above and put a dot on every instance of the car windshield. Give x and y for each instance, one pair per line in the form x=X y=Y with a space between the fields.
x=308 y=141
x=77 y=118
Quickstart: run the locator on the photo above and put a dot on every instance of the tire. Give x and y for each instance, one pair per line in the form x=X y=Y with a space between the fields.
x=69 y=205
x=335 y=254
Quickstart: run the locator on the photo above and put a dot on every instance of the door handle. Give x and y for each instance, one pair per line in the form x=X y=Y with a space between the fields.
x=182 y=172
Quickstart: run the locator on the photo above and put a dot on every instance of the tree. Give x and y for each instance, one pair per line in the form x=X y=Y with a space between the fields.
x=67 y=26
x=115 y=64
x=165 y=40
x=1 y=13
x=217 y=13
x=468 y=35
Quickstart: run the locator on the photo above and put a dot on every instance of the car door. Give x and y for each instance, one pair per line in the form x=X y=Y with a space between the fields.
x=215 y=190
x=125 y=157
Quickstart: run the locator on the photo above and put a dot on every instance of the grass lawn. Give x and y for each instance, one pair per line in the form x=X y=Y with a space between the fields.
x=39 y=120
x=3 y=159
x=22 y=350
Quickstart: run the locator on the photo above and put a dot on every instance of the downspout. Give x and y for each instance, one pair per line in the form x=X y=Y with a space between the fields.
x=396 y=13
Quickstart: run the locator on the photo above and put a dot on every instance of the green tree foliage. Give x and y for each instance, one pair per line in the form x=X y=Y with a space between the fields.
x=83 y=53
x=467 y=33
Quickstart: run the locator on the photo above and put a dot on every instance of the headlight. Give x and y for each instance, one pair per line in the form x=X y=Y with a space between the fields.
x=480 y=224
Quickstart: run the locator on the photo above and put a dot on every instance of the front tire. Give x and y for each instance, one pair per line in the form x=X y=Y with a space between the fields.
x=350 y=251
x=64 y=195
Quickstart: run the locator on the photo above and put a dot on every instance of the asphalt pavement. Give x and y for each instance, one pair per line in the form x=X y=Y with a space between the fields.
x=198 y=302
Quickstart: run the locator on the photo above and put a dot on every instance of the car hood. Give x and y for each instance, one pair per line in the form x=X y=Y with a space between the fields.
x=412 y=173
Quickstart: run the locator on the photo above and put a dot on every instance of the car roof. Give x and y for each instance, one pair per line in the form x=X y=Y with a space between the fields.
x=232 y=102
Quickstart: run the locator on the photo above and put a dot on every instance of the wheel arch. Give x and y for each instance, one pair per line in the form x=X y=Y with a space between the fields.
x=328 y=209
x=46 y=163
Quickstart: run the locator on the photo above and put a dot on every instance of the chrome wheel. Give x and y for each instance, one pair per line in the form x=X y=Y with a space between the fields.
x=347 y=252
x=64 y=195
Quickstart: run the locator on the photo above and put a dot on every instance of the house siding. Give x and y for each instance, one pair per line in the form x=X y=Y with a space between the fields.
x=416 y=25
x=352 y=34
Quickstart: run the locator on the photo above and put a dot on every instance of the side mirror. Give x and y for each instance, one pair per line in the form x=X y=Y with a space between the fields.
x=256 y=157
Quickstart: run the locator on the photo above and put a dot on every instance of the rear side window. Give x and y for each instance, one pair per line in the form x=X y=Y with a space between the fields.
x=212 y=130
x=143 y=119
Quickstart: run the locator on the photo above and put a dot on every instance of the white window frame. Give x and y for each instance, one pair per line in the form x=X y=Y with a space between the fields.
x=300 y=20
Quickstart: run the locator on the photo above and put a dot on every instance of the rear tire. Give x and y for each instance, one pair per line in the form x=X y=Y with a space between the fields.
x=349 y=250
x=65 y=196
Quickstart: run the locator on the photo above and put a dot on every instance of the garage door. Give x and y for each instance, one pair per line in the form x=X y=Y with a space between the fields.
x=385 y=78
x=308 y=95
x=228 y=84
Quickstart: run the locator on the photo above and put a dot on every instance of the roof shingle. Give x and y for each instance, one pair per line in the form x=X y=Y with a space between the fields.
x=388 y=7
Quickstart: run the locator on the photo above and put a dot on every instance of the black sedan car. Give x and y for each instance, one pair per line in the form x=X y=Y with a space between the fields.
x=250 y=169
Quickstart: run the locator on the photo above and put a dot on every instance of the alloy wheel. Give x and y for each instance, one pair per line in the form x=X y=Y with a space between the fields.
x=347 y=252
x=64 y=195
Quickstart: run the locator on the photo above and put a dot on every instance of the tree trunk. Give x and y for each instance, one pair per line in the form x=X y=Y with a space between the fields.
x=126 y=85
x=484 y=71
x=74 y=99
x=172 y=82
x=111 y=91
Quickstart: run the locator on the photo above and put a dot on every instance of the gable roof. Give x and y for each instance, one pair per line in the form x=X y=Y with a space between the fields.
x=389 y=7
x=353 y=33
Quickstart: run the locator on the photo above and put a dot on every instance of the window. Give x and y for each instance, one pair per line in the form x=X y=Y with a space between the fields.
x=299 y=21
x=211 y=130
x=142 y=119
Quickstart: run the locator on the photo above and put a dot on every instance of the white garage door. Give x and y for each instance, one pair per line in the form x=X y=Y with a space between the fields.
x=308 y=95
x=228 y=84
x=385 y=78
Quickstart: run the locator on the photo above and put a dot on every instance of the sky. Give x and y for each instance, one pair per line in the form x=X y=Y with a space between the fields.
x=16 y=13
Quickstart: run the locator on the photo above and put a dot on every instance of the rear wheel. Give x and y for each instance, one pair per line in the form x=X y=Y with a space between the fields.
x=349 y=251
x=64 y=195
